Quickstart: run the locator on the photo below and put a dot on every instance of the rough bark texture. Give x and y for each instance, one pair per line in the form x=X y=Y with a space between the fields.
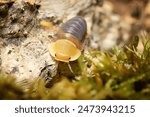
x=24 y=43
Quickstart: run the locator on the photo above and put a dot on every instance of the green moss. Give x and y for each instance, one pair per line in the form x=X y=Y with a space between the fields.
x=122 y=73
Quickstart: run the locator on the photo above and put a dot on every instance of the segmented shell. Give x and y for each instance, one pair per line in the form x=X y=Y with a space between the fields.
x=76 y=27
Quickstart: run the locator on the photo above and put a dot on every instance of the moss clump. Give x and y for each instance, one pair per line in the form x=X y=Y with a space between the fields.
x=122 y=73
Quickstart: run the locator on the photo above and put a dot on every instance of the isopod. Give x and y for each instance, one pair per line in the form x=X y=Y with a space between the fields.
x=68 y=45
